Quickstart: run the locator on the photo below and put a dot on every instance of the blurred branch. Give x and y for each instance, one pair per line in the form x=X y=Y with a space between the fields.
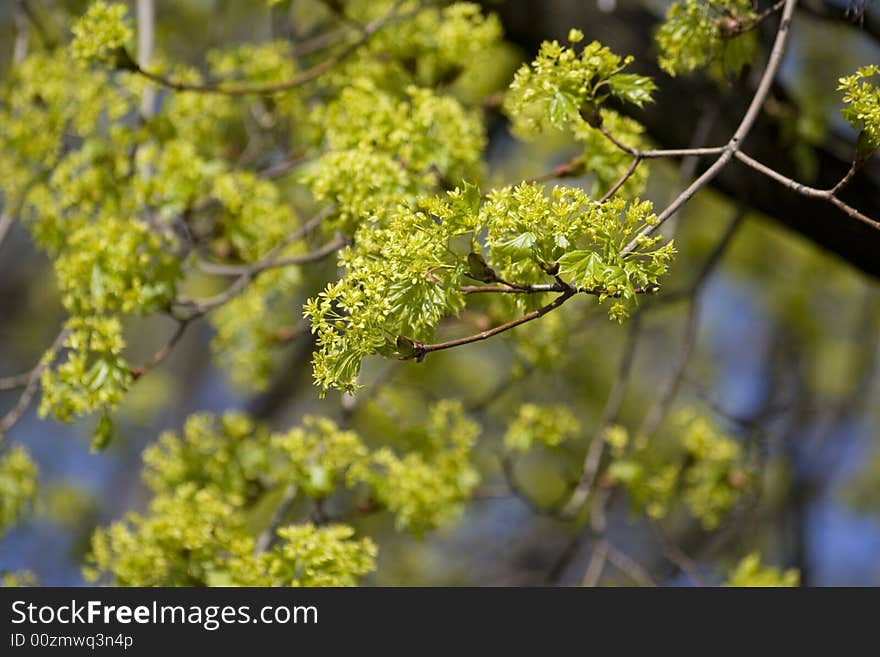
x=419 y=350
x=298 y=80
x=677 y=556
x=269 y=534
x=22 y=31
x=629 y=566
x=146 y=36
x=610 y=412
x=30 y=389
x=662 y=401
x=164 y=351
x=246 y=273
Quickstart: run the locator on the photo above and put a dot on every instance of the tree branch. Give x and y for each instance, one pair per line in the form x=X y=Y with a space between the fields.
x=164 y=351
x=609 y=415
x=268 y=536
x=298 y=80
x=739 y=135
x=420 y=350
x=828 y=195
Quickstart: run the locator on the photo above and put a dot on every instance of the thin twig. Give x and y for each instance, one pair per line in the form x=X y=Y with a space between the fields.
x=269 y=534
x=828 y=195
x=609 y=415
x=298 y=80
x=22 y=35
x=33 y=383
x=773 y=63
x=629 y=566
x=247 y=274
x=164 y=351
x=663 y=400
x=6 y=221
x=198 y=308
x=598 y=559
x=16 y=380
x=146 y=37
x=420 y=350
x=677 y=556
x=631 y=169
x=264 y=265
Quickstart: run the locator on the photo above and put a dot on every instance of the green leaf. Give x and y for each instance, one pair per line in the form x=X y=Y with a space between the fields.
x=103 y=434
x=582 y=266
x=521 y=244
x=563 y=107
x=472 y=197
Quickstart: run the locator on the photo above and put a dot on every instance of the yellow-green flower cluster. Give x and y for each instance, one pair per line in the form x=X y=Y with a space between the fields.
x=211 y=482
x=383 y=149
x=400 y=280
x=562 y=89
x=750 y=572
x=229 y=453
x=706 y=467
x=862 y=96
x=441 y=43
x=18 y=487
x=697 y=33
x=318 y=456
x=198 y=537
x=94 y=376
x=535 y=424
x=100 y=33
x=428 y=486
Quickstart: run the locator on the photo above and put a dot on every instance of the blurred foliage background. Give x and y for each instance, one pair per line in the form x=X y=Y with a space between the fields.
x=784 y=358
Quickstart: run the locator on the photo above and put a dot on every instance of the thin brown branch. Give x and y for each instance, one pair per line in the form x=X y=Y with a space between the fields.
x=601 y=546
x=677 y=557
x=16 y=380
x=631 y=169
x=574 y=167
x=827 y=195
x=6 y=221
x=660 y=153
x=164 y=351
x=732 y=26
x=596 y=567
x=246 y=273
x=730 y=149
x=264 y=265
x=420 y=350
x=22 y=34
x=146 y=37
x=521 y=289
